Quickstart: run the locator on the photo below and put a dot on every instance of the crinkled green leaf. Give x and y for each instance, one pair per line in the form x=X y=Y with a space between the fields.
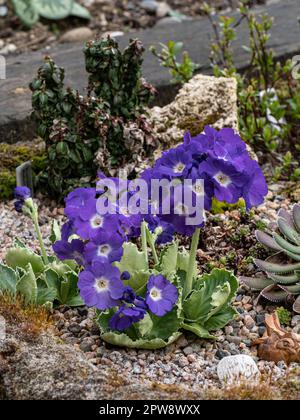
x=21 y=257
x=168 y=260
x=27 y=285
x=8 y=279
x=18 y=243
x=198 y=305
x=220 y=319
x=122 y=340
x=132 y=260
x=26 y=11
x=53 y=9
x=45 y=295
x=183 y=261
x=163 y=327
x=220 y=295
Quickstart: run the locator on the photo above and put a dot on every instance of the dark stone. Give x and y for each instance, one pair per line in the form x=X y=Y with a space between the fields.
x=74 y=328
x=260 y=319
x=222 y=353
x=261 y=331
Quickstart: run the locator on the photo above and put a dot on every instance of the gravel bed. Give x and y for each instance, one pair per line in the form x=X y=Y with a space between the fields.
x=189 y=361
x=106 y=16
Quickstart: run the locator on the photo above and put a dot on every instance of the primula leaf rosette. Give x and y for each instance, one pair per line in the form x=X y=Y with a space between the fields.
x=146 y=287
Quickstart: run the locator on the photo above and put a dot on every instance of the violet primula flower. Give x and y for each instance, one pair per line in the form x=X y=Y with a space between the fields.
x=89 y=223
x=106 y=246
x=67 y=230
x=100 y=285
x=21 y=194
x=76 y=201
x=255 y=189
x=125 y=317
x=161 y=295
x=228 y=182
x=69 y=250
x=174 y=163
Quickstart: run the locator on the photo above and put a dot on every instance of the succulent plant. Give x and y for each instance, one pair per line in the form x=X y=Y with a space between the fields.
x=282 y=268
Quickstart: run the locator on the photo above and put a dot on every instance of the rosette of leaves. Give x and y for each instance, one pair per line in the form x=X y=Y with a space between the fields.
x=26 y=274
x=282 y=269
x=103 y=130
x=29 y=11
x=207 y=308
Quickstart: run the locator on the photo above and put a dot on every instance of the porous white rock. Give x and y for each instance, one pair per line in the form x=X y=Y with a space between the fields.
x=232 y=369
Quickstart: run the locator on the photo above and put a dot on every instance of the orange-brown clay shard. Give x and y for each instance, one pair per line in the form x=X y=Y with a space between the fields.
x=278 y=344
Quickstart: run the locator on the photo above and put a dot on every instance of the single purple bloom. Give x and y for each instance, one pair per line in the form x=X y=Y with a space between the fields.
x=104 y=245
x=174 y=163
x=67 y=230
x=89 y=222
x=228 y=181
x=125 y=317
x=22 y=193
x=100 y=285
x=161 y=295
x=69 y=250
x=256 y=187
x=76 y=201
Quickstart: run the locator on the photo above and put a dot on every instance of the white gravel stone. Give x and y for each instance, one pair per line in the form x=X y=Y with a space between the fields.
x=237 y=368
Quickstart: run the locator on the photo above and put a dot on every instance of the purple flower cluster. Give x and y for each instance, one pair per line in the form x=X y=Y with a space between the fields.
x=95 y=240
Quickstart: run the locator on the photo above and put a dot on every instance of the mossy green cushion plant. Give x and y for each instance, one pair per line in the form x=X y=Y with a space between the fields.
x=13 y=155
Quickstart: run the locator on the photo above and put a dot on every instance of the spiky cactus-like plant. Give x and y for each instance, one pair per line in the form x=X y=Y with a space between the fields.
x=282 y=269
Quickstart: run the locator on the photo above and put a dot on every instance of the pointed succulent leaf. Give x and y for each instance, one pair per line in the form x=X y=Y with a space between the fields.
x=256 y=283
x=287 y=217
x=296 y=216
x=288 y=232
x=274 y=294
x=291 y=289
x=276 y=268
x=284 y=245
x=296 y=306
x=288 y=279
x=292 y=255
x=267 y=240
